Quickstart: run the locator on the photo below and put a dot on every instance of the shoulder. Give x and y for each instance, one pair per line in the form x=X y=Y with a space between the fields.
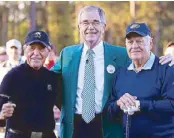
x=12 y=77
x=16 y=70
x=156 y=62
x=51 y=74
x=71 y=47
x=119 y=50
x=165 y=68
x=115 y=47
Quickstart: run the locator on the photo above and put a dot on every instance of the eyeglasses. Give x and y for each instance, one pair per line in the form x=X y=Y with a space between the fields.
x=87 y=23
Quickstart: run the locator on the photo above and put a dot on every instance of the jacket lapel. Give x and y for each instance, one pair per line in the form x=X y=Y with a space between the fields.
x=109 y=61
x=74 y=71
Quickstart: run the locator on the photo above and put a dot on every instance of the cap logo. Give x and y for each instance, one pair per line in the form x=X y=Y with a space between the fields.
x=37 y=35
x=135 y=26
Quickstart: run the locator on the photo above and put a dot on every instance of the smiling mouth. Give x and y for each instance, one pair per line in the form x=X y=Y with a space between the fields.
x=91 y=33
x=36 y=59
x=135 y=51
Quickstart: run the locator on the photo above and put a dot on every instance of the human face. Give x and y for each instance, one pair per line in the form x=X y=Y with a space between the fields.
x=36 y=54
x=13 y=53
x=138 y=47
x=90 y=27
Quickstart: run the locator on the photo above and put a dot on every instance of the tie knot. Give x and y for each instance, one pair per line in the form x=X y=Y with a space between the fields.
x=90 y=52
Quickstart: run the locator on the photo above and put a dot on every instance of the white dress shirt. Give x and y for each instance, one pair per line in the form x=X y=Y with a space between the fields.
x=99 y=77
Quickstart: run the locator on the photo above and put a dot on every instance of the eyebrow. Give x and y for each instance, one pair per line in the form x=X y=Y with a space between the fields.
x=92 y=20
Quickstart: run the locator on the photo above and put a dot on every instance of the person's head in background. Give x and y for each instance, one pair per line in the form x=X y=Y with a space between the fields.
x=170 y=49
x=13 y=50
x=3 y=55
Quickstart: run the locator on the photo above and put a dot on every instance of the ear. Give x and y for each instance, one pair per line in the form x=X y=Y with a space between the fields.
x=49 y=48
x=104 y=28
x=151 y=44
x=78 y=27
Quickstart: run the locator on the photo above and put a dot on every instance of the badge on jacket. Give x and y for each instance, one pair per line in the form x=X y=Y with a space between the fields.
x=49 y=87
x=110 y=69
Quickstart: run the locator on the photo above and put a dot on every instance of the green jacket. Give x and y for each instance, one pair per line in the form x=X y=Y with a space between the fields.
x=68 y=65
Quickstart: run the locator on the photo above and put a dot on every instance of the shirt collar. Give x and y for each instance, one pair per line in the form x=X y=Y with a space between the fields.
x=98 y=49
x=147 y=66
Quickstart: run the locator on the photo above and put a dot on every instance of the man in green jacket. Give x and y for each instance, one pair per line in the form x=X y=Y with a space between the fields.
x=88 y=70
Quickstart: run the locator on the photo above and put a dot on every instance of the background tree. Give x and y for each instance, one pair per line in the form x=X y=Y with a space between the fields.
x=59 y=20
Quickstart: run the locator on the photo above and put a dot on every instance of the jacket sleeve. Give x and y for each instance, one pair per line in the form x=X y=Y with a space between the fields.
x=166 y=104
x=58 y=90
x=5 y=91
x=58 y=65
x=111 y=108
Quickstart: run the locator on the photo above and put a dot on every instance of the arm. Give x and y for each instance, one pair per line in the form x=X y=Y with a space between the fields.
x=58 y=86
x=167 y=58
x=167 y=91
x=6 y=109
x=57 y=68
x=111 y=107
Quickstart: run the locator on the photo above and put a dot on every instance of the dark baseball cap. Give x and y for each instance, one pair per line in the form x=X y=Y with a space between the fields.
x=139 y=28
x=37 y=37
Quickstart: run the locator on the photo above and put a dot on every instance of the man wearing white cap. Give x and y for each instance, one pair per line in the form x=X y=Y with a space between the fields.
x=13 y=50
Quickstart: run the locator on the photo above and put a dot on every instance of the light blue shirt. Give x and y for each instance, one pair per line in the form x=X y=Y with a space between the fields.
x=99 y=77
x=147 y=66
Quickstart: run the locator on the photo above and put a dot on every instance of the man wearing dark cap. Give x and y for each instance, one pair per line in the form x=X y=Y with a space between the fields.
x=29 y=92
x=143 y=91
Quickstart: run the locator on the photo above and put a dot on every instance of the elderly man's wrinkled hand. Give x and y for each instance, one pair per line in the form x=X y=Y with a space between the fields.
x=167 y=58
x=131 y=110
x=126 y=100
x=7 y=110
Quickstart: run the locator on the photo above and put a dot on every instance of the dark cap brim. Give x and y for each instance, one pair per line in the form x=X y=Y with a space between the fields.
x=139 y=33
x=37 y=41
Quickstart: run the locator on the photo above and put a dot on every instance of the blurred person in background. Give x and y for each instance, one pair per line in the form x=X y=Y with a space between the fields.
x=170 y=48
x=13 y=51
x=3 y=55
x=52 y=56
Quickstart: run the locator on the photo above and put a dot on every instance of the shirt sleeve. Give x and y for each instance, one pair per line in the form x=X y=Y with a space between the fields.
x=111 y=108
x=166 y=104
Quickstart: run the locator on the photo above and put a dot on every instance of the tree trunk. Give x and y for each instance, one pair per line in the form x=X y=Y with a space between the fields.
x=32 y=14
x=4 y=35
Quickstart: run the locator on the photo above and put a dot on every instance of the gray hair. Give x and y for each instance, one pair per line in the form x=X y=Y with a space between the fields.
x=147 y=40
x=91 y=8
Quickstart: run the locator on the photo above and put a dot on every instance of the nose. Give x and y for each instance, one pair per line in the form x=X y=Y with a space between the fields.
x=91 y=26
x=36 y=51
x=134 y=45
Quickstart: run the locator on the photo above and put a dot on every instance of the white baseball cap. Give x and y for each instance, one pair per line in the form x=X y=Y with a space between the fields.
x=14 y=42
